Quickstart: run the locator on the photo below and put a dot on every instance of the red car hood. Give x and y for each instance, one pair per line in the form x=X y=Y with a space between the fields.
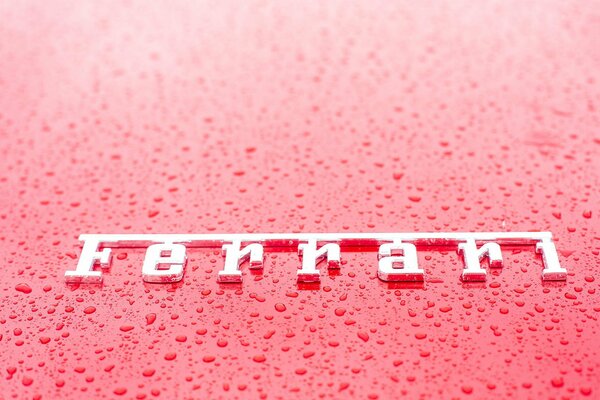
x=219 y=117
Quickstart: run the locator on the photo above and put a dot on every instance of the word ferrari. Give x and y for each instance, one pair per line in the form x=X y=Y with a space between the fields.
x=397 y=252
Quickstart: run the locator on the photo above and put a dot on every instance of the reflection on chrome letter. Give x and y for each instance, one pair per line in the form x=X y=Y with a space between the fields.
x=405 y=254
x=552 y=269
x=473 y=257
x=89 y=258
x=311 y=256
x=164 y=263
x=234 y=257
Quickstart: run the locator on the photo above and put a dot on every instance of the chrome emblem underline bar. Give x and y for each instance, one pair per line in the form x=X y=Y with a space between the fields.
x=292 y=239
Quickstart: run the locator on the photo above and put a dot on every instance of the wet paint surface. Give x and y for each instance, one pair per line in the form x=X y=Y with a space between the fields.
x=181 y=118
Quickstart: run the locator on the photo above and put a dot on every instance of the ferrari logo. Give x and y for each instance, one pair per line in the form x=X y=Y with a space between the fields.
x=166 y=255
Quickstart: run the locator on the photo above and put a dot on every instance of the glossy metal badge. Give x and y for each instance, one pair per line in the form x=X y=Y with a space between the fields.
x=166 y=254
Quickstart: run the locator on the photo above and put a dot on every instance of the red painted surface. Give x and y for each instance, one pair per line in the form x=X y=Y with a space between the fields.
x=226 y=117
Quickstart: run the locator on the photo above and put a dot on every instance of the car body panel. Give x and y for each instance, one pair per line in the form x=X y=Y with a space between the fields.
x=230 y=117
